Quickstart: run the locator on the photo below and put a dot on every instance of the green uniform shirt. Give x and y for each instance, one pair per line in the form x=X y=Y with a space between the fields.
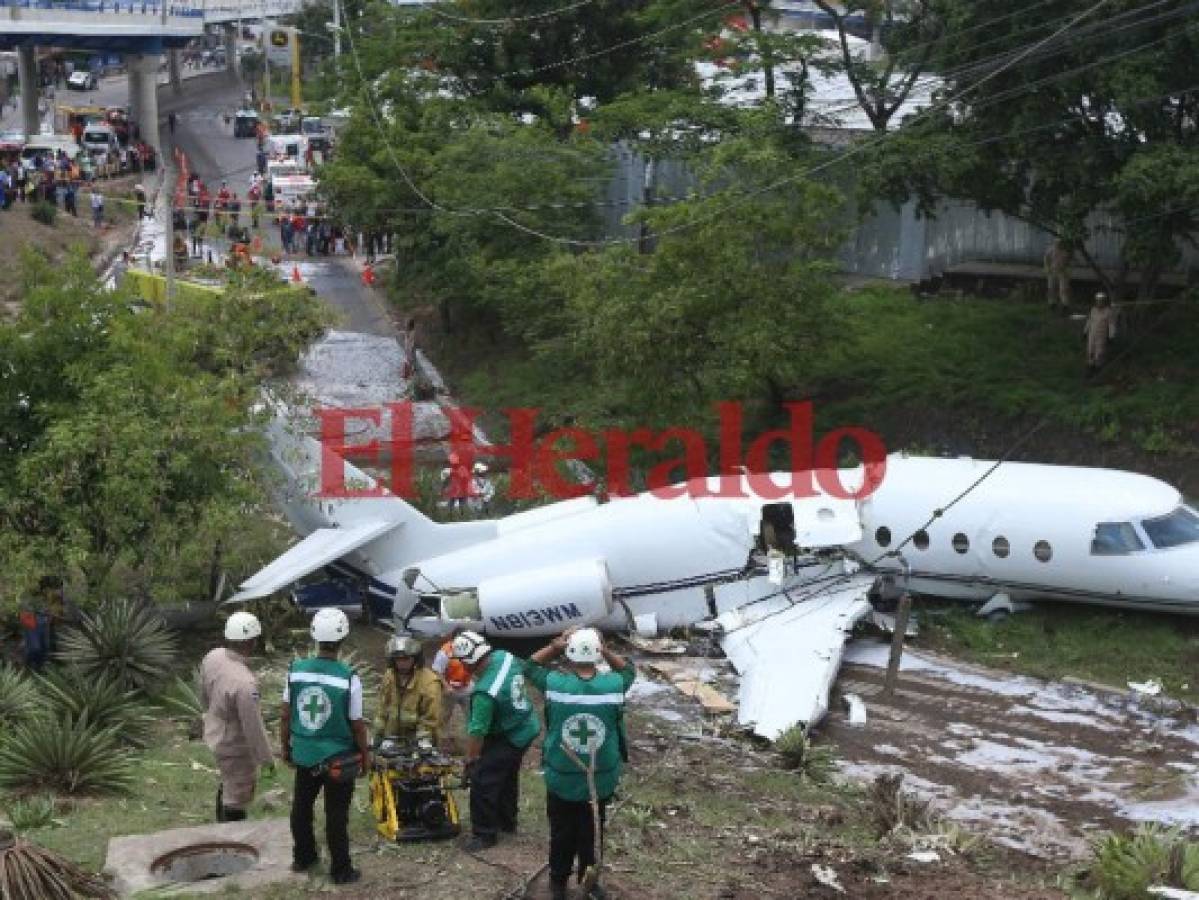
x=318 y=692
x=499 y=704
x=586 y=715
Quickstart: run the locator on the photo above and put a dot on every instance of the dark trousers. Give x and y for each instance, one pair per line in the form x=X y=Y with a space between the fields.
x=572 y=835
x=495 y=788
x=337 y=817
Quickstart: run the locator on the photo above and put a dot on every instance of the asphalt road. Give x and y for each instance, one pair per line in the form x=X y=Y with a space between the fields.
x=216 y=155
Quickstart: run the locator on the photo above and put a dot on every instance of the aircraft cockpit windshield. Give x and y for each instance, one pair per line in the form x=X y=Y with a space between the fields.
x=1115 y=539
x=1173 y=529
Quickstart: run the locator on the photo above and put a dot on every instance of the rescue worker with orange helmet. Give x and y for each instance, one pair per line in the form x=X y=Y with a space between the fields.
x=455 y=684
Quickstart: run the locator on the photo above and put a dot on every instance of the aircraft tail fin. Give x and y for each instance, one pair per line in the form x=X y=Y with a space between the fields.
x=321 y=489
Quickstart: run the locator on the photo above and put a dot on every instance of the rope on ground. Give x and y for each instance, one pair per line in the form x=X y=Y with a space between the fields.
x=521 y=891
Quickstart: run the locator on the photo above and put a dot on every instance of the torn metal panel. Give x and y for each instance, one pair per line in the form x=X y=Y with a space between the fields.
x=317 y=550
x=788 y=655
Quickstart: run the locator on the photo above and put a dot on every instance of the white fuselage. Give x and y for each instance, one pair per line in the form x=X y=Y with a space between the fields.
x=1030 y=531
x=1026 y=530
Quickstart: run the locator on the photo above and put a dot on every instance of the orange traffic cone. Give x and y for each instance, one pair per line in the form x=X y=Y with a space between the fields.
x=295 y=275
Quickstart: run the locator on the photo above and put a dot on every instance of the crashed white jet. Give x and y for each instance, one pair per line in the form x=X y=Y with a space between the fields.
x=1024 y=531
x=641 y=562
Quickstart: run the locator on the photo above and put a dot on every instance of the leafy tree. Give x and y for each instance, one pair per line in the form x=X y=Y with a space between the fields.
x=735 y=295
x=128 y=455
x=906 y=33
x=1051 y=131
x=493 y=179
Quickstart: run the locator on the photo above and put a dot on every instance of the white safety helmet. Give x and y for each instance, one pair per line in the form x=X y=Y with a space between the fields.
x=242 y=626
x=330 y=625
x=584 y=646
x=470 y=647
x=403 y=645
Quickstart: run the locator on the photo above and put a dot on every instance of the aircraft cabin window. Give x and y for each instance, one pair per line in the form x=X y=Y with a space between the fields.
x=882 y=537
x=1000 y=547
x=1115 y=539
x=961 y=543
x=920 y=539
x=1042 y=551
x=1173 y=530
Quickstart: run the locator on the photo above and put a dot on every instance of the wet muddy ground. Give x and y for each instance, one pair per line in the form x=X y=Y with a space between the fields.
x=1036 y=766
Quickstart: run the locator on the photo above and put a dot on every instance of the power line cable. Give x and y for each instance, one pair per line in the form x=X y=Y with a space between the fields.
x=848 y=154
x=533 y=17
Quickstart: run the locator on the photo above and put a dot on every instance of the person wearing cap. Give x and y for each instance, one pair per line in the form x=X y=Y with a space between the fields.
x=502 y=725
x=233 y=726
x=1100 y=327
x=455 y=687
x=410 y=698
x=321 y=720
x=584 y=745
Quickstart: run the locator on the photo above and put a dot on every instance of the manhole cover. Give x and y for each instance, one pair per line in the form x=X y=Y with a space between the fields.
x=199 y=862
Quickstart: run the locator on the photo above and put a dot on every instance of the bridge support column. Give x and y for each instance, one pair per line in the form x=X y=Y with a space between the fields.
x=231 y=61
x=27 y=76
x=134 y=75
x=144 y=85
x=173 y=70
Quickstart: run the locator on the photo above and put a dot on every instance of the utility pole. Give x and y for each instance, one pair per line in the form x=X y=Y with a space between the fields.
x=295 y=68
x=169 y=265
x=336 y=30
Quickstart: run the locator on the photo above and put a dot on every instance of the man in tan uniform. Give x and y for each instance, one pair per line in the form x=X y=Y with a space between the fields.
x=233 y=726
x=1058 y=259
x=1099 y=329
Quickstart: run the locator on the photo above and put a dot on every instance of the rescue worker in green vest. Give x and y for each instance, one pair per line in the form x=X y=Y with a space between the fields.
x=321 y=720
x=502 y=725
x=410 y=698
x=584 y=711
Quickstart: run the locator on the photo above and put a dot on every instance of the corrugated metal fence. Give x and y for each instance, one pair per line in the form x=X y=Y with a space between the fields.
x=890 y=243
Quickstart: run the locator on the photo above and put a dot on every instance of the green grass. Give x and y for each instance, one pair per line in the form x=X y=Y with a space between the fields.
x=175 y=787
x=1012 y=359
x=978 y=359
x=1053 y=640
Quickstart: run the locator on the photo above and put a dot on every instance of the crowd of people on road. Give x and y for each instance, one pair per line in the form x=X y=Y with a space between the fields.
x=325 y=738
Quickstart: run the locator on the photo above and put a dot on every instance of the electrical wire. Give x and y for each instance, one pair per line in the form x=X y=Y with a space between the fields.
x=548 y=14
x=856 y=150
x=640 y=39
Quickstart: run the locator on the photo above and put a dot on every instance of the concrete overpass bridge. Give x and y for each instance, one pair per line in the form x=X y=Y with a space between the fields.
x=140 y=30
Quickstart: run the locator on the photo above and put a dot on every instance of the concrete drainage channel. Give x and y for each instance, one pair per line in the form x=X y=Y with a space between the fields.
x=205 y=859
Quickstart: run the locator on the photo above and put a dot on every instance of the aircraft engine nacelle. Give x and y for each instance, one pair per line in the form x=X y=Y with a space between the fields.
x=538 y=602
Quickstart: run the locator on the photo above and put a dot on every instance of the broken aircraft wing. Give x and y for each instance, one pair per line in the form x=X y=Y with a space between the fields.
x=319 y=549
x=788 y=654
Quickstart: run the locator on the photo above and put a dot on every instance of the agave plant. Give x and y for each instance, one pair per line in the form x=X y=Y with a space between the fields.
x=799 y=753
x=1127 y=865
x=125 y=640
x=68 y=694
x=64 y=755
x=181 y=697
x=18 y=697
x=33 y=812
x=30 y=872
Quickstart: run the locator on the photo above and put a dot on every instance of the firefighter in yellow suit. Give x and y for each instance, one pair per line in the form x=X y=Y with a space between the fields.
x=410 y=699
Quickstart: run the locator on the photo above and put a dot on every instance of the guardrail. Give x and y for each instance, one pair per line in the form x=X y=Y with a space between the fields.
x=106 y=7
x=251 y=9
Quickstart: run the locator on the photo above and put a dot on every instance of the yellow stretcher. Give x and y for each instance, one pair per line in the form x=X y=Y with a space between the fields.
x=411 y=796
